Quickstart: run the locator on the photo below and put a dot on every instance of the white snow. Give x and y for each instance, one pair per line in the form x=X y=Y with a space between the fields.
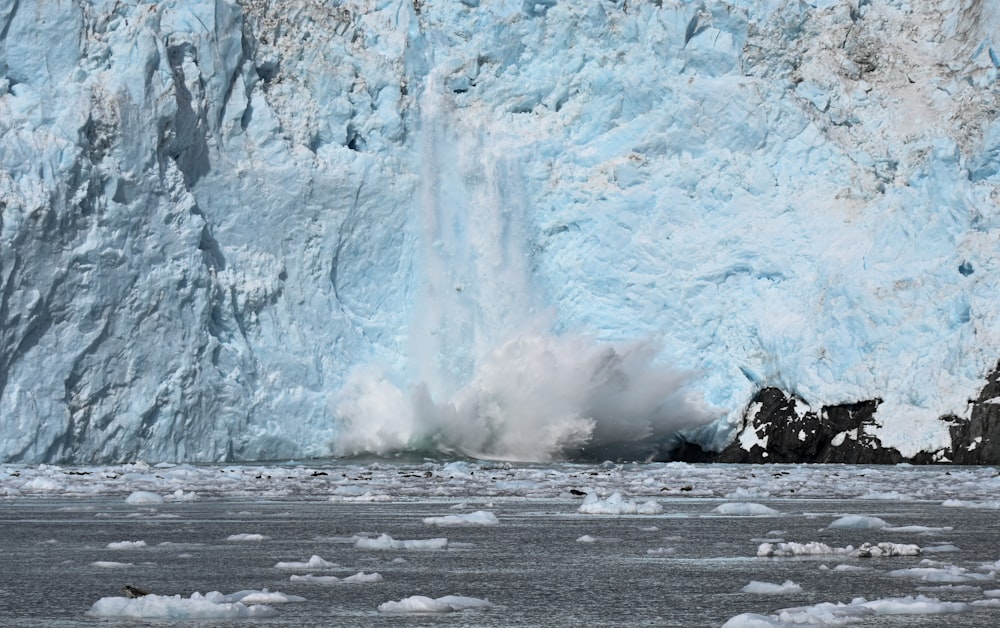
x=422 y=604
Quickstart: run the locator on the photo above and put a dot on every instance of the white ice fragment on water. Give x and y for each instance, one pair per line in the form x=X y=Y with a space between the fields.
x=959 y=503
x=213 y=605
x=358 y=578
x=885 y=495
x=386 y=542
x=858 y=522
x=314 y=562
x=617 y=505
x=144 y=498
x=745 y=509
x=367 y=497
x=478 y=518
x=951 y=573
x=661 y=551
x=263 y=596
x=110 y=564
x=249 y=538
x=120 y=545
x=866 y=550
x=182 y=496
x=422 y=604
x=840 y=614
x=757 y=586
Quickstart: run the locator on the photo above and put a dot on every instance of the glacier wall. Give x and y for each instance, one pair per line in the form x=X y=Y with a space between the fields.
x=261 y=230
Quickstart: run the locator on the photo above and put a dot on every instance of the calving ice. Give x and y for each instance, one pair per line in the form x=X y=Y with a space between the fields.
x=248 y=230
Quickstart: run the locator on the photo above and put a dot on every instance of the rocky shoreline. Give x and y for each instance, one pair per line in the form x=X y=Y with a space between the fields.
x=779 y=427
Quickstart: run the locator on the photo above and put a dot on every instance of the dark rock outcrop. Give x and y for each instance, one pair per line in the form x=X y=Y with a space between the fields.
x=778 y=427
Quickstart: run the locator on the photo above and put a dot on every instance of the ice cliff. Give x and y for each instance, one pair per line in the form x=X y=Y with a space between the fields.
x=260 y=230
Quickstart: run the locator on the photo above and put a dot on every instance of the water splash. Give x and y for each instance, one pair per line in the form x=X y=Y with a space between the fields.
x=487 y=377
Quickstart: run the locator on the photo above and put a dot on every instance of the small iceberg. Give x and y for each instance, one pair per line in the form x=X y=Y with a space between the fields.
x=422 y=604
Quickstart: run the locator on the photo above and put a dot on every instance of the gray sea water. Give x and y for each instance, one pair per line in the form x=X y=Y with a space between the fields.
x=531 y=566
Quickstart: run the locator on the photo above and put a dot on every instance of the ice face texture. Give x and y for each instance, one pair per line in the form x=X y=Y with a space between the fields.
x=268 y=230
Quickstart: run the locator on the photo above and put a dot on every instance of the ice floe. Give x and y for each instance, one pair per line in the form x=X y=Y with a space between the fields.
x=248 y=538
x=358 y=578
x=839 y=614
x=314 y=562
x=386 y=542
x=814 y=548
x=212 y=605
x=617 y=505
x=478 y=518
x=423 y=604
x=756 y=586
x=121 y=545
x=745 y=509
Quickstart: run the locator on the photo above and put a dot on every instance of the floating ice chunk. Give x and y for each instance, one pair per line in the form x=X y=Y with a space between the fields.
x=617 y=505
x=587 y=538
x=212 y=605
x=753 y=620
x=916 y=605
x=144 y=498
x=886 y=550
x=919 y=529
x=846 y=567
x=958 y=503
x=839 y=614
x=367 y=497
x=858 y=522
x=110 y=564
x=250 y=538
x=315 y=562
x=866 y=550
x=942 y=548
x=422 y=604
x=661 y=551
x=745 y=509
x=120 y=545
x=263 y=597
x=358 y=578
x=885 y=495
x=756 y=586
x=478 y=518
x=386 y=542
x=364 y=578
x=951 y=574
x=813 y=548
x=182 y=496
